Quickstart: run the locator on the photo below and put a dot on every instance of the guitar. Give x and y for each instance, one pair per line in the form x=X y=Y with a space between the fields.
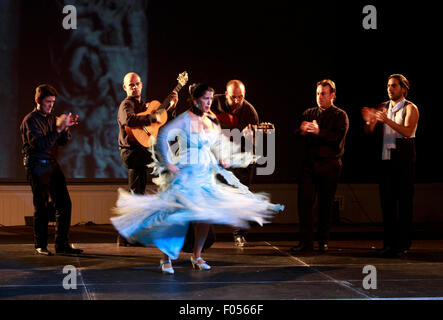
x=147 y=135
x=231 y=120
x=266 y=127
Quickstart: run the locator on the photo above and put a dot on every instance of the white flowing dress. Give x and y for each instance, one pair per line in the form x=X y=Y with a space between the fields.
x=192 y=195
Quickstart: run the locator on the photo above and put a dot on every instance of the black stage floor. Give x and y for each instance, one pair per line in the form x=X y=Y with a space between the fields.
x=266 y=270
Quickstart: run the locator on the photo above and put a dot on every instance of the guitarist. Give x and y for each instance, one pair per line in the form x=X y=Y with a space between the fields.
x=233 y=111
x=135 y=157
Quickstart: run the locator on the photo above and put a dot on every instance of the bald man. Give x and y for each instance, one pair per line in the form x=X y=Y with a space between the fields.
x=234 y=112
x=134 y=156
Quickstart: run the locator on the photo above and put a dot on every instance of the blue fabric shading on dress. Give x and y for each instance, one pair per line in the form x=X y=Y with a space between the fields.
x=194 y=194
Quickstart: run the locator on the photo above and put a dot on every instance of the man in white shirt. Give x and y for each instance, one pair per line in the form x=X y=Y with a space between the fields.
x=397 y=120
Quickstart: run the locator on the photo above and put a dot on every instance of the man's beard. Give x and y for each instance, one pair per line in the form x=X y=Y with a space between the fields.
x=235 y=106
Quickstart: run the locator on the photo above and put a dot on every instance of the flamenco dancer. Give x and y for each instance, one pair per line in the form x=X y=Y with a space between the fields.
x=188 y=188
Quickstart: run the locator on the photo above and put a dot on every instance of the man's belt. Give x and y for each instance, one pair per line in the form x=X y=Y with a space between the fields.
x=44 y=161
x=28 y=160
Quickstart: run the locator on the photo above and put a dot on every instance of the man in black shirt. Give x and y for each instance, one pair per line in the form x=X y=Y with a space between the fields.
x=134 y=156
x=323 y=130
x=234 y=112
x=42 y=133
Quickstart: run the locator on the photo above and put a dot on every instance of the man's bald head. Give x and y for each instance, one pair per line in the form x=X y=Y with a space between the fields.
x=132 y=85
x=129 y=76
x=236 y=84
x=235 y=93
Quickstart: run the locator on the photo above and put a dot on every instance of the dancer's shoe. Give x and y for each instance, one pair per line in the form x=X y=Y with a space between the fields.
x=201 y=266
x=164 y=269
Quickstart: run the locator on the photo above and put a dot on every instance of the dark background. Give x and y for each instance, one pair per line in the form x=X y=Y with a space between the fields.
x=279 y=49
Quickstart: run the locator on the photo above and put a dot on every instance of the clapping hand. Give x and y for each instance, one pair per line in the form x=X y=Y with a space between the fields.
x=381 y=116
x=65 y=121
x=73 y=120
x=304 y=128
x=313 y=127
x=368 y=115
x=309 y=127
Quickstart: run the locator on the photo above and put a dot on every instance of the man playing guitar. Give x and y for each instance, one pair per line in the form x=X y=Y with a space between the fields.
x=234 y=112
x=134 y=156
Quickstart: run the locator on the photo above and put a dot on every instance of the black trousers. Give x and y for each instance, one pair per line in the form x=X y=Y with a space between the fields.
x=138 y=173
x=318 y=178
x=397 y=195
x=47 y=180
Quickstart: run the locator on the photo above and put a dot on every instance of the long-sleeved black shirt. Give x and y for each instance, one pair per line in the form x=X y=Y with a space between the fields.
x=40 y=137
x=127 y=116
x=243 y=116
x=333 y=123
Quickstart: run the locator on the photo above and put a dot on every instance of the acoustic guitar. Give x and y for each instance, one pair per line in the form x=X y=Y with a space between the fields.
x=231 y=120
x=146 y=135
x=265 y=127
